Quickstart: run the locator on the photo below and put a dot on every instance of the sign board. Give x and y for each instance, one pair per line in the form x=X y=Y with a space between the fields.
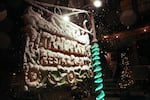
x=56 y=51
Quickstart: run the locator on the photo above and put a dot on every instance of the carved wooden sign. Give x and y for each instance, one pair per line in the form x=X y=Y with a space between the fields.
x=56 y=52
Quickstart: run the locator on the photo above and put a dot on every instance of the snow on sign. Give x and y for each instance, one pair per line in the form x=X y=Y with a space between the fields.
x=56 y=51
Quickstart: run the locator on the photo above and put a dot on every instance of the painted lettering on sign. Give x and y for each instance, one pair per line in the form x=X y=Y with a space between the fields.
x=55 y=51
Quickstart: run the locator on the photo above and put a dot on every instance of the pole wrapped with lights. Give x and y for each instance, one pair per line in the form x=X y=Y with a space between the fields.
x=97 y=72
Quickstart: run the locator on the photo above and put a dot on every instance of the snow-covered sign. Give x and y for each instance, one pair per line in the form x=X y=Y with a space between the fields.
x=56 y=51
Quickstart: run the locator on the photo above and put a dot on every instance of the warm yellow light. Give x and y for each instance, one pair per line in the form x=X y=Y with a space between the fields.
x=117 y=36
x=105 y=36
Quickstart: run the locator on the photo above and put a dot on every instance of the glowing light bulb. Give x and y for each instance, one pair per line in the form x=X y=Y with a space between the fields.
x=97 y=3
x=117 y=36
x=145 y=30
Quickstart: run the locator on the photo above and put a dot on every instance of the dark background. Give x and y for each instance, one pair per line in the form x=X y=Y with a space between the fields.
x=107 y=22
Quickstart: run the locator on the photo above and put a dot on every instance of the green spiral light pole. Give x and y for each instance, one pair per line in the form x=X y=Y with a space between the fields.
x=97 y=72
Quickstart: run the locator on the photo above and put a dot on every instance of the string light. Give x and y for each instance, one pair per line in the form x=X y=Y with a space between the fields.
x=117 y=36
x=145 y=30
x=126 y=77
x=97 y=70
